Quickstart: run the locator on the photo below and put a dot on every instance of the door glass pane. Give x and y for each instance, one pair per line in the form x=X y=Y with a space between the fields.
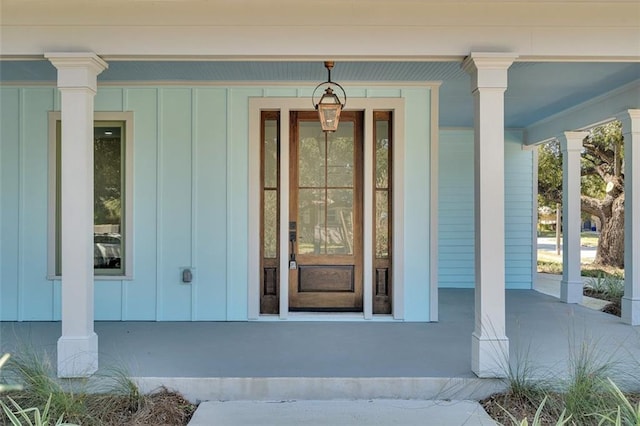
x=270 y=224
x=339 y=232
x=270 y=153
x=311 y=221
x=311 y=155
x=382 y=224
x=382 y=154
x=340 y=157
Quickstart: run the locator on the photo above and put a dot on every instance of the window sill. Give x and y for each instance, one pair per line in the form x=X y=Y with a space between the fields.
x=97 y=277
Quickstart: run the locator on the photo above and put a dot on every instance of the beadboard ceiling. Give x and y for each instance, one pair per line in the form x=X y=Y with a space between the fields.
x=536 y=89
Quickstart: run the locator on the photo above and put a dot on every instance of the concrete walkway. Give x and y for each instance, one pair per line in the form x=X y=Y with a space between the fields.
x=360 y=412
x=550 y=284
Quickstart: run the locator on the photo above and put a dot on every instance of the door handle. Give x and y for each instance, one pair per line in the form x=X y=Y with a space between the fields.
x=292 y=246
x=292 y=231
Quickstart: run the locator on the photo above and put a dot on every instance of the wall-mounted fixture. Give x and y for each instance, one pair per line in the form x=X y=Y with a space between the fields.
x=329 y=105
x=187 y=275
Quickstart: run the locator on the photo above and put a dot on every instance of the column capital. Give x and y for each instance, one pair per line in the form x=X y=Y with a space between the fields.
x=630 y=120
x=77 y=69
x=572 y=141
x=488 y=70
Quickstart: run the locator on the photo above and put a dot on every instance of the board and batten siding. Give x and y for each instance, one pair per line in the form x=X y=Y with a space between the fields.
x=456 y=210
x=190 y=204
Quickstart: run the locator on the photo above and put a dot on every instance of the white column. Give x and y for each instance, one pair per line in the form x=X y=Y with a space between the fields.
x=571 y=284
x=77 y=81
x=490 y=346
x=631 y=299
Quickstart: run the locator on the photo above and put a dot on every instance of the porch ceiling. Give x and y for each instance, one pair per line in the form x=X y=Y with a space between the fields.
x=536 y=89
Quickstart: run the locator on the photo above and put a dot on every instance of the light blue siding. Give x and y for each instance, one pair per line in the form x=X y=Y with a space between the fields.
x=455 y=209
x=190 y=209
x=210 y=171
x=140 y=295
x=36 y=291
x=417 y=204
x=174 y=203
x=10 y=106
x=456 y=203
x=519 y=206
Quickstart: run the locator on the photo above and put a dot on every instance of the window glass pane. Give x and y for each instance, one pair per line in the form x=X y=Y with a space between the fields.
x=108 y=197
x=311 y=155
x=382 y=224
x=311 y=221
x=382 y=154
x=270 y=241
x=270 y=153
x=340 y=156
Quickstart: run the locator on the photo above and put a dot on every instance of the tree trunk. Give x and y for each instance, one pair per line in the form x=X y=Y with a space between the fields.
x=611 y=242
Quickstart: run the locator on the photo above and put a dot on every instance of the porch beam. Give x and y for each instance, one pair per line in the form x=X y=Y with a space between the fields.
x=490 y=346
x=571 y=284
x=77 y=82
x=631 y=300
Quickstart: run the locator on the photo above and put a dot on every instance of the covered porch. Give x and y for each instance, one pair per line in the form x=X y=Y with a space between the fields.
x=348 y=359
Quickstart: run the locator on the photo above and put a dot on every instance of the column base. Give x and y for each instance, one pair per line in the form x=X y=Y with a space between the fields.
x=631 y=311
x=571 y=291
x=77 y=356
x=489 y=356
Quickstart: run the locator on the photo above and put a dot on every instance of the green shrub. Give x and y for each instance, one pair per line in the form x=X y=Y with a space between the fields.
x=610 y=287
x=24 y=414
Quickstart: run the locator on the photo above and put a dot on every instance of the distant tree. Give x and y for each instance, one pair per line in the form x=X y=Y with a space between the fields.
x=602 y=186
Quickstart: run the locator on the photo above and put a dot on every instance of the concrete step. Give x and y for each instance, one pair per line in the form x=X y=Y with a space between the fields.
x=198 y=389
x=374 y=412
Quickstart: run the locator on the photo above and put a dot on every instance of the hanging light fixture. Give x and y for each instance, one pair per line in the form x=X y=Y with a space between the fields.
x=329 y=105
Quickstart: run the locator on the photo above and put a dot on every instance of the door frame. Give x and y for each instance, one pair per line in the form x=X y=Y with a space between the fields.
x=285 y=105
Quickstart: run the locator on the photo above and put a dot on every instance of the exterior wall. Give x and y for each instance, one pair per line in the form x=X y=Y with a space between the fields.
x=456 y=198
x=190 y=201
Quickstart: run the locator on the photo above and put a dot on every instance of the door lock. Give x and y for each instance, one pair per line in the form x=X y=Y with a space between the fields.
x=292 y=246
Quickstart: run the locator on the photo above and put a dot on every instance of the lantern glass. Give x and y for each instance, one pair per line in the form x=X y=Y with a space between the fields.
x=329 y=109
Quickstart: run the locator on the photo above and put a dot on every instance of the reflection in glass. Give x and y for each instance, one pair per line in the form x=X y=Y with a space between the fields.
x=270 y=153
x=340 y=157
x=382 y=224
x=382 y=154
x=311 y=221
x=270 y=225
x=107 y=209
x=311 y=155
x=338 y=234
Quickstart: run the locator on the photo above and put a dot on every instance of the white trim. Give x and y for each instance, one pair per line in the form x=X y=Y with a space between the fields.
x=586 y=115
x=284 y=212
x=367 y=216
x=127 y=118
x=253 y=215
x=398 y=196
x=285 y=105
x=534 y=212
x=368 y=58
x=433 y=203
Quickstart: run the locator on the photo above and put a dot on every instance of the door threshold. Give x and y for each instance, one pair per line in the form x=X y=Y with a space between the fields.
x=327 y=316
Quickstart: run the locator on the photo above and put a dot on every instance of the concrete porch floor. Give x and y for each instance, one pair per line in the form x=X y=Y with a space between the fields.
x=347 y=360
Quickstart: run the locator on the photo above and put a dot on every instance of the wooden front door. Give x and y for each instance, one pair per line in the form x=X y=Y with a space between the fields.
x=325 y=214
